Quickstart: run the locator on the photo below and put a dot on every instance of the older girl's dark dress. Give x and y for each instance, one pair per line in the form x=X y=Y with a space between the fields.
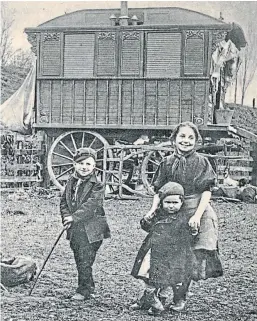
x=196 y=175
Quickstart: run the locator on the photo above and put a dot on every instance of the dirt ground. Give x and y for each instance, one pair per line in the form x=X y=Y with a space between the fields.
x=30 y=227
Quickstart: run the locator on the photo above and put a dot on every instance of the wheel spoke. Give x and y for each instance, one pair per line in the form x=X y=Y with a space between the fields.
x=154 y=162
x=92 y=142
x=99 y=169
x=60 y=165
x=83 y=140
x=98 y=150
x=67 y=170
x=57 y=154
x=67 y=148
x=73 y=142
x=152 y=180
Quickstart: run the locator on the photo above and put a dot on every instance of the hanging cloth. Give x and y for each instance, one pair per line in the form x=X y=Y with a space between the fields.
x=16 y=112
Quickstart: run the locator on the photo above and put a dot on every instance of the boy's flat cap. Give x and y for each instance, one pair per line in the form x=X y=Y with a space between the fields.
x=83 y=153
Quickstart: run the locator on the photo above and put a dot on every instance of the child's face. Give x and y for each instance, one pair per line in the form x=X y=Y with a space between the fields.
x=85 y=167
x=172 y=203
x=185 y=140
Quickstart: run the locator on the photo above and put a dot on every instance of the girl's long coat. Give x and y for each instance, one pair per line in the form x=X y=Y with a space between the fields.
x=172 y=259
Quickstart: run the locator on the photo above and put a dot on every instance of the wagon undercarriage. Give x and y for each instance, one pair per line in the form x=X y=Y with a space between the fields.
x=128 y=167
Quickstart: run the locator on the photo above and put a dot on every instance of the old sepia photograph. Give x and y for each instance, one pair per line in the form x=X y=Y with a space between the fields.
x=128 y=186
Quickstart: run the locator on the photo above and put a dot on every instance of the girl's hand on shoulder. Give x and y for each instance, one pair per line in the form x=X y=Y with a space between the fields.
x=194 y=222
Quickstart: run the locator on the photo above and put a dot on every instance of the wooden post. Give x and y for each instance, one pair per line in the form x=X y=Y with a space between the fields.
x=104 y=166
x=253 y=154
x=120 y=172
x=235 y=95
x=46 y=177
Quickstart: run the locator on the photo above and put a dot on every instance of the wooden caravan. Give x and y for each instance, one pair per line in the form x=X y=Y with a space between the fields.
x=122 y=73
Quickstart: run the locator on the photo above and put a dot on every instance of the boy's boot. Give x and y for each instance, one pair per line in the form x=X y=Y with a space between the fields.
x=78 y=297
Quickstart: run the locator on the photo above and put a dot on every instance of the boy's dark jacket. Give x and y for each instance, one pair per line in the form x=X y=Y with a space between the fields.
x=87 y=209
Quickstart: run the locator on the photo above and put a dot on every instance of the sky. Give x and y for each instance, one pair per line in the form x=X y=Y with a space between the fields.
x=32 y=13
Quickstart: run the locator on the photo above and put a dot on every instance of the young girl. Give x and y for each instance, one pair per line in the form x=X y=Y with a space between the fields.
x=172 y=259
x=194 y=172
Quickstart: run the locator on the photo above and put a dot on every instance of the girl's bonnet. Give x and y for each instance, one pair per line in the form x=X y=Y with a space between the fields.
x=171 y=188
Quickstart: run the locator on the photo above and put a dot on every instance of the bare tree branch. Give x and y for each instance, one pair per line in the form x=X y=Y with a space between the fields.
x=5 y=37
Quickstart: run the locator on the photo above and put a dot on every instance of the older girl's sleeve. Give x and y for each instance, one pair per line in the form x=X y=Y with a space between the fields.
x=206 y=177
x=160 y=177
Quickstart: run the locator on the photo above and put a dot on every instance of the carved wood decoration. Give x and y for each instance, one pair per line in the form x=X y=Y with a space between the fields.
x=54 y=36
x=198 y=120
x=195 y=34
x=32 y=39
x=43 y=118
x=106 y=35
x=217 y=36
x=134 y=35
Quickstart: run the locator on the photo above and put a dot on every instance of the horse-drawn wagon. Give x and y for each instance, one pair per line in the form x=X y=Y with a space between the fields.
x=128 y=76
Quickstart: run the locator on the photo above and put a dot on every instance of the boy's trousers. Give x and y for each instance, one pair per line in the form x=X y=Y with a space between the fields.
x=84 y=254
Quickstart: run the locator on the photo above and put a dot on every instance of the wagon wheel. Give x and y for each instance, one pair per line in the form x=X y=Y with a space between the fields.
x=60 y=156
x=150 y=164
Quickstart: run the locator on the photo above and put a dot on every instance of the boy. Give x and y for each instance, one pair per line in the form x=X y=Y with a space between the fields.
x=83 y=215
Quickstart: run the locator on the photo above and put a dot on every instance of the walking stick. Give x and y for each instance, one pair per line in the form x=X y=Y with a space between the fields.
x=55 y=243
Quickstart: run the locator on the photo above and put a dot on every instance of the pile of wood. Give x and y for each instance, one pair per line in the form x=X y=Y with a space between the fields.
x=21 y=160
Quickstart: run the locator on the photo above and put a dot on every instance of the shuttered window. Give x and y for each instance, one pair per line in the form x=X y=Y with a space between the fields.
x=106 y=54
x=50 y=54
x=194 y=53
x=79 y=55
x=163 y=54
x=130 y=54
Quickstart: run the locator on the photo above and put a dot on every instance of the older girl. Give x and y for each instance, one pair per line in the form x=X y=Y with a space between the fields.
x=194 y=172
